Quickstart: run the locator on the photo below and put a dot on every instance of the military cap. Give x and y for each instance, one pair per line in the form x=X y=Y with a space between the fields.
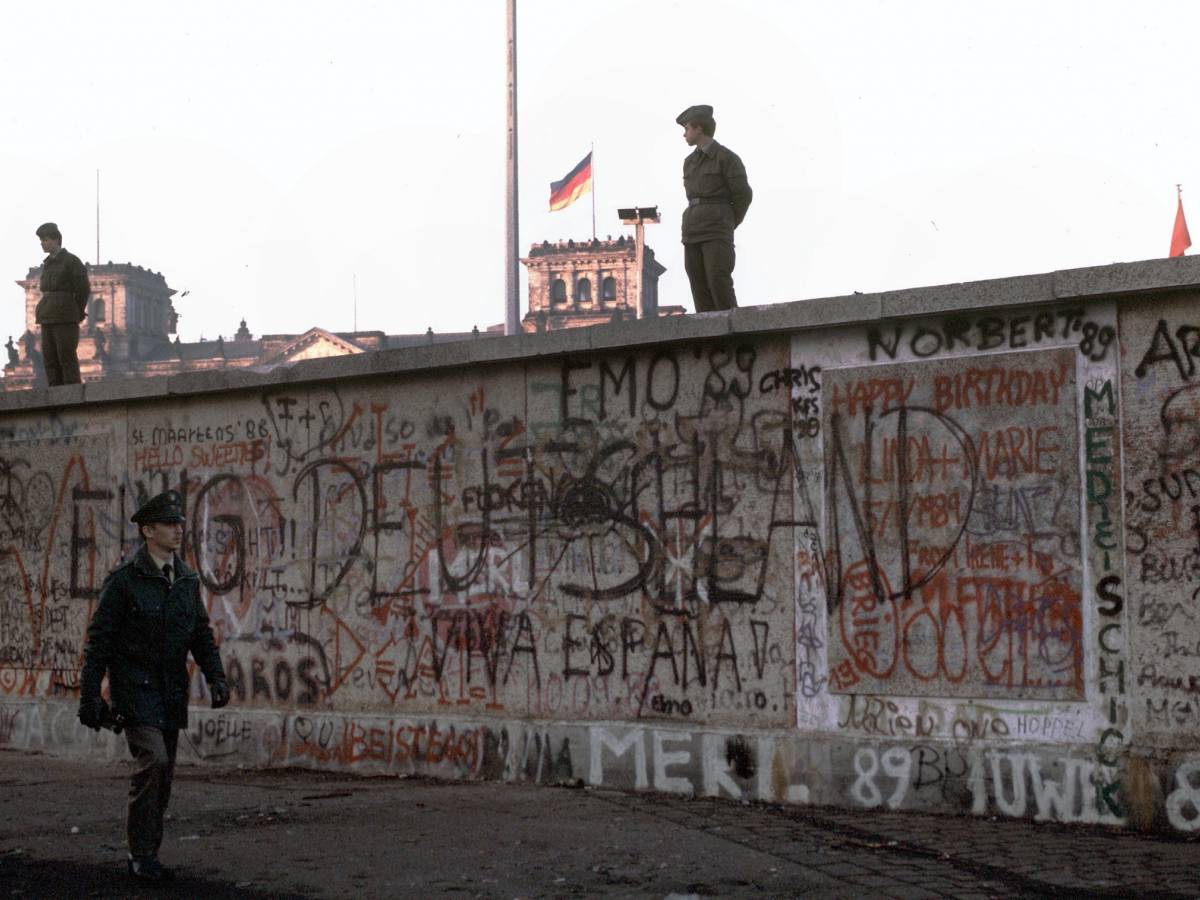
x=166 y=507
x=692 y=113
x=50 y=230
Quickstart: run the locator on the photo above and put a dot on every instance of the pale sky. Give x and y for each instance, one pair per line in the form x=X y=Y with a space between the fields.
x=266 y=155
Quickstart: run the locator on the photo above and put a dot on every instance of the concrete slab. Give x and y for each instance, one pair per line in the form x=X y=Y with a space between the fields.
x=18 y=401
x=804 y=314
x=998 y=292
x=1133 y=277
x=648 y=331
x=117 y=390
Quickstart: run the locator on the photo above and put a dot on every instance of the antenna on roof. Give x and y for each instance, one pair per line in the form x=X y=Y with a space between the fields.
x=355 y=303
x=97 y=217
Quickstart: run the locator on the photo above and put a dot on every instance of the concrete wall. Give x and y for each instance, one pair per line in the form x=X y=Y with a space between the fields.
x=928 y=550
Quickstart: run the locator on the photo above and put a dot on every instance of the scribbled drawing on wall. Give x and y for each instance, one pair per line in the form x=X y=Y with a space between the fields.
x=57 y=531
x=953 y=546
x=1160 y=426
x=594 y=537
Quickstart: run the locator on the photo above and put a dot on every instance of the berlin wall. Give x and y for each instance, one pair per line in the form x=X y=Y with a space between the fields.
x=934 y=550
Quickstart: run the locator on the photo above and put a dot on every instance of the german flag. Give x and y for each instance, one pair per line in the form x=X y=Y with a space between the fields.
x=576 y=183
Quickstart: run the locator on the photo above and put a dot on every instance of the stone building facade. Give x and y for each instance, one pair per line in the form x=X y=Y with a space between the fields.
x=578 y=283
x=131 y=318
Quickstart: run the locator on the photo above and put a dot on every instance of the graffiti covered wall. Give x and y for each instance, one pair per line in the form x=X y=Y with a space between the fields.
x=869 y=561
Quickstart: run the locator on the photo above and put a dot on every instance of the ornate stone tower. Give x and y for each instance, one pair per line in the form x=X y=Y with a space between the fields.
x=588 y=283
x=130 y=317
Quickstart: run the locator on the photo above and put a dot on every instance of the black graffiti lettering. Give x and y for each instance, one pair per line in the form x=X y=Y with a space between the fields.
x=991 y=333
x=726 y=651
x=258 y=680
x=663 y=636
x=283 y=680
x=339 y=562
x=668 y=706
x=236 y=678
x=1163 y=349
x=928 y=770
x=760 y=630
x=226 y=530
x=628 y=370
x=1043 y=326
x=491 y=627
x=1016 y=331
x=566 y=392
x=1072 y=320
x=83 y=542
x=524 y=627
x=633 y=638
x=925 y=342
x=666 y=400
x=876 y=340
x=1092 y=397
x=697 y=655
x=570 y=642
x=601 y=651
x=842 y=475
x=312 y=686
x=1113 y=602
x=957 y=329
x=453 y=638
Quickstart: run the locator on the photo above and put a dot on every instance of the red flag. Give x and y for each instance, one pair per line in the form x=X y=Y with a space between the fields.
x=573 y=185
x=1180 y=239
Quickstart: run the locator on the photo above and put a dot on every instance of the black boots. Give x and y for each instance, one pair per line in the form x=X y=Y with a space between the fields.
x=148 y=868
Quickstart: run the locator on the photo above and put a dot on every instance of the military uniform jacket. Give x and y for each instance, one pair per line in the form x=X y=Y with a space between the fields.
x=141 y=634
x=718 y=194
x=65 y=290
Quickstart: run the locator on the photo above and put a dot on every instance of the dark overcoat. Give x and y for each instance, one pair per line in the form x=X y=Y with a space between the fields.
x=718 y=194
x=65 y=290
x=141 y=634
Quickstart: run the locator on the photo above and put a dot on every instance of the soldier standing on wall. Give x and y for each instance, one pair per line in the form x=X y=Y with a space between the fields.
x=149 y=617
x=63 y=306
x=718 y=196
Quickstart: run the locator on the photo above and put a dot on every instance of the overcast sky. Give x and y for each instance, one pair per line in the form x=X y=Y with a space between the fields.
x=266 y=155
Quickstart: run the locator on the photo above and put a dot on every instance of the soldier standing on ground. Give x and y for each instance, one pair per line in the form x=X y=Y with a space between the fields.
x=718 y=196
x=63 y=306
x=149 y=617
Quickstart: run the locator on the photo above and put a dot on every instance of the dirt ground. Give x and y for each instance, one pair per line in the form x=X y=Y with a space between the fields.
x=296 y=833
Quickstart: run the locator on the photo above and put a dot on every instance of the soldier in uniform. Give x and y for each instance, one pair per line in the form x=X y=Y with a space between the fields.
x=149 y=618
x=63 y=306
x=718 y=196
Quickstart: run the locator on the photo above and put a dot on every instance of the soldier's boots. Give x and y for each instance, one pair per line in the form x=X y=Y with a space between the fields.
x=148 y=868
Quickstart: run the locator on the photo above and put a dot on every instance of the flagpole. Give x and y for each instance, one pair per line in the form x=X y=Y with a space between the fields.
x=592 y=154
x=512 y=303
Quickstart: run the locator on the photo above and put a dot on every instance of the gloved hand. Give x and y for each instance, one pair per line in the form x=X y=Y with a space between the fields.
x=92 y=712
x=220 y=694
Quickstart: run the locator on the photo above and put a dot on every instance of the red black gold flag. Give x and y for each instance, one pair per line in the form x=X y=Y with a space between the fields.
x=574 y=185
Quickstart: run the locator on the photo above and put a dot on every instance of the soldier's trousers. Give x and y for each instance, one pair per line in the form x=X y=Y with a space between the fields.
x=709 y=267
x=60 y=347
x=153 y=751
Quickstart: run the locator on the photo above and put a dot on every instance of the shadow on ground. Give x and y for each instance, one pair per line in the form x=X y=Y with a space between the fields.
x=24 y=877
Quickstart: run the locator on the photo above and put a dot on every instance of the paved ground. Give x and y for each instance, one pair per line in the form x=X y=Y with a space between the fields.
x=251 y=834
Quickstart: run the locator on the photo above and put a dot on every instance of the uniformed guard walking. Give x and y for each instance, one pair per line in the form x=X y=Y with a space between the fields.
x=718 y=196
x=149 y=618
x=63 y=306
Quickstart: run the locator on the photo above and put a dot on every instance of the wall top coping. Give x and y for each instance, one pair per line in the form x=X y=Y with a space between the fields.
x=1122 y=281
